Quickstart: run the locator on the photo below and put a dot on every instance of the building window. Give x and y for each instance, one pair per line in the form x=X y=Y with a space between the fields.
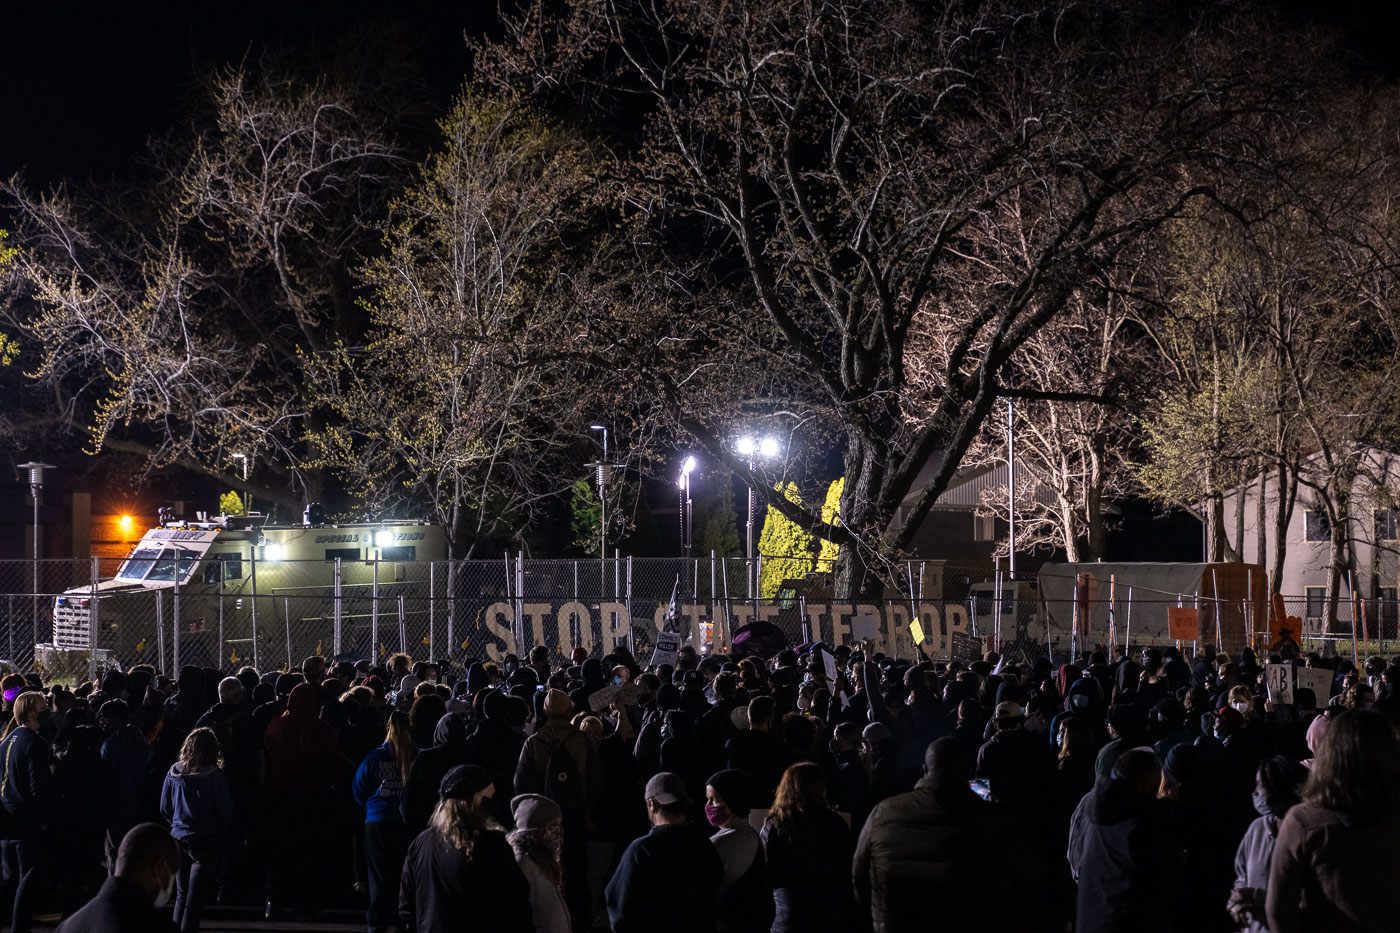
x=343 y=553
x=401 y=553
x=1387 y=611
x=1317 y=602
x=984 y=527
x=1316 y=527
x=1387 y=524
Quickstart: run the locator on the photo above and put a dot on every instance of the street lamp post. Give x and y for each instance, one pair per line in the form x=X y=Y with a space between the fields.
x=686 y=513
x=602 y=466
x=36 y=490
x=748 y=447
x=244 y=458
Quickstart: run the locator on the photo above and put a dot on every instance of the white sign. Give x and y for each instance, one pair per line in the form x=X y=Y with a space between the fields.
x=865 y=628
x=1279 y=678
x=668 y=644
x=829 y=663
x=1319 y=681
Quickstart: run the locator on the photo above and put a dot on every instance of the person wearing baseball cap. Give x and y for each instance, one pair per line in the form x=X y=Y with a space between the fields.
x=1015 y=764
x=668 y=879
x=461 y=866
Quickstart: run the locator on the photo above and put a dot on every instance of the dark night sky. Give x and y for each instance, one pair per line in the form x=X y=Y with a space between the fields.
x=87 y=83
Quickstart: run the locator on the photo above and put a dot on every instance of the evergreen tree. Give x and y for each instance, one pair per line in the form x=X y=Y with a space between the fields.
x=586 y=517
x=717 y=522
x=787 y=550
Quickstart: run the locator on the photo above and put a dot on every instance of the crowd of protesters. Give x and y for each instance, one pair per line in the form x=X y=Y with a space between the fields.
x=820 y=790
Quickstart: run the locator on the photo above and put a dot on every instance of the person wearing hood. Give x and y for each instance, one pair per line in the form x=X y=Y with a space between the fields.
x=125 y=757
x=184 y=708
x=593 y=680
x=1015 y=764
x=1276 y=791
x=494 y=744
x=378 y=787
x=942 y=844
x=1122 y=853
x=302 y=758
x=195 y=799
x=420 y=790
x=538 y=842
x=745 y=900
x=1124 y=730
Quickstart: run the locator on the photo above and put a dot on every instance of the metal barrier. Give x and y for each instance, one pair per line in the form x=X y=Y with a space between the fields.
x=273 y=614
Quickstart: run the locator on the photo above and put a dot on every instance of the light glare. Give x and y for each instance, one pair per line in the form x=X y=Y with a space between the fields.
x=745 y=446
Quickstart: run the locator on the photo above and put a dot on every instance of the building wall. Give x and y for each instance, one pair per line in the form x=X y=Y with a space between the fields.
x=1373 y=561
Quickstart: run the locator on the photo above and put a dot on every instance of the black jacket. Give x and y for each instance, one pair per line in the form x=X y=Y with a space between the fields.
x=26 y=780
x=1127 y=861
x=942 y=846
x=420 y=791
x=667 y=880
x=121 y=906
x=810 y=870
x=441 y=889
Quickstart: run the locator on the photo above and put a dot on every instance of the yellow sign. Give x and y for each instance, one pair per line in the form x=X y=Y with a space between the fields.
x=916 y=629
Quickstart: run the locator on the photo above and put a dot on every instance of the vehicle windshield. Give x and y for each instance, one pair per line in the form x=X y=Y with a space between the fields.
x=158 y=564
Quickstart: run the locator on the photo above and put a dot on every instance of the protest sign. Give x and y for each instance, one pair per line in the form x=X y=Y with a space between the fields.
x=828 y=664
x=1279 y=678
x=1183 y=624
x=600 y=699
x=668 y=644
x=865 y=628
x=966 y=647
x=916 y=630
x=1318 y=680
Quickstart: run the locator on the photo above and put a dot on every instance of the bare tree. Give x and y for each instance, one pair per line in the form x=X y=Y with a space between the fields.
x=861 y=164
x=171 y=319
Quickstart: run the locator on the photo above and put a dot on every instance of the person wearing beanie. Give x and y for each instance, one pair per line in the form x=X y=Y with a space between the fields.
x=745 y=898
x=538 y=841
x=460 y=872
x=562 y=763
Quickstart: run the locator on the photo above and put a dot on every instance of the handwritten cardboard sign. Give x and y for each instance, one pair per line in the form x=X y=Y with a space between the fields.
x=1183 y=624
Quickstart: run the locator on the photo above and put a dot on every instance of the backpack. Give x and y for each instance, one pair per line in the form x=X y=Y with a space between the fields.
x=563 y=783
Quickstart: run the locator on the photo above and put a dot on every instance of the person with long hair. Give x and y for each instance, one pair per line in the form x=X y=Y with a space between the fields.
x=378 y=787
x=196 y=801
x=460 y=872
x=1335 y=859
x=809 y=851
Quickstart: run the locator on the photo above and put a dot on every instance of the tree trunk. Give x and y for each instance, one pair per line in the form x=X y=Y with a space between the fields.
x=1261 y=535
x=853 y=579
x=1287 y=483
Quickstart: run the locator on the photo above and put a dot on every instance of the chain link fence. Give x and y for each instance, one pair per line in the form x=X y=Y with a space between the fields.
x=226 y=613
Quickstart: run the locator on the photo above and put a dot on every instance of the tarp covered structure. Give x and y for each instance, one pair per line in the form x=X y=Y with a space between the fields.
x=1133 y=599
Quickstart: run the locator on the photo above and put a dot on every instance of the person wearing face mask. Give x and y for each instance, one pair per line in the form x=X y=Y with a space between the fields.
x=1276 y=790
x=538 y=841
x=745 y=900
x=142 y=883
x=461 y=869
